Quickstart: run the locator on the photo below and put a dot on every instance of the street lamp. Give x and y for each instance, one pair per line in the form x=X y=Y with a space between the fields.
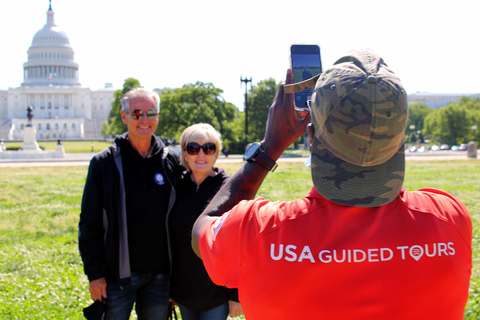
x=246 y=81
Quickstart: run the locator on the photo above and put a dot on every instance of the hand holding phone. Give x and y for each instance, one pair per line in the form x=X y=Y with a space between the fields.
x=305 y=63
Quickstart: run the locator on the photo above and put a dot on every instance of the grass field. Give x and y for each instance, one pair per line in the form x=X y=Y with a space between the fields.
x=41 y=275
x=69 y=146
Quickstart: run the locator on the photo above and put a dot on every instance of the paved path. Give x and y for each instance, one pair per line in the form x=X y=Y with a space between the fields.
x=84 y=159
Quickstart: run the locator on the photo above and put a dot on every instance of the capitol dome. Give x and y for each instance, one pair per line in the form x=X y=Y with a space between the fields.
x=50 y=58
x=50 y=34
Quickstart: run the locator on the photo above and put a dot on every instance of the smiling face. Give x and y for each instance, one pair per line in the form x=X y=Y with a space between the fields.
x=143 y=128
x=200 y=163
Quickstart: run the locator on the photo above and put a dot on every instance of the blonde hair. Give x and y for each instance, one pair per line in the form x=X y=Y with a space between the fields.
x=200 y=131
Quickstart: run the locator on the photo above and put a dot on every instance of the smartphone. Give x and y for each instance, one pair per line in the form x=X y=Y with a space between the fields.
x=305 y=62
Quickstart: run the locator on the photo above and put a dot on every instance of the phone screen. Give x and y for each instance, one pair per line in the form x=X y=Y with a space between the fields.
x=306 y=63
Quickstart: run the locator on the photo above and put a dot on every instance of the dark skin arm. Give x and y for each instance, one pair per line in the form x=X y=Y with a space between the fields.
x=283 y=128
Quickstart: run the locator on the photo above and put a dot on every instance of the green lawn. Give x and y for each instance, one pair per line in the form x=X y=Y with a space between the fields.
x=41 y=275
x=69 y=146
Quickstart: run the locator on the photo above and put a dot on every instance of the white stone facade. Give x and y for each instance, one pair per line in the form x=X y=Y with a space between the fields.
x=61 y=107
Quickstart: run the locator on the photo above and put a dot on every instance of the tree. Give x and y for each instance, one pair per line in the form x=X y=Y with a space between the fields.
x=416 y=114
x=104 y=130
x=260 y=99
x=115 y=123
x=453 y=124
x=448 y=125
x=473 y=114
x=195 y=103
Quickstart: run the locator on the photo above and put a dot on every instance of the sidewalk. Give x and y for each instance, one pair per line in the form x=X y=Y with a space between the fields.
x=83 y=159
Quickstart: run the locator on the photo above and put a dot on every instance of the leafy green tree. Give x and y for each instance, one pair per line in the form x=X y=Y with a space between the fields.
x=237 y=143
x=104 y=130
x=453 y=124
x=195 y=103
x=470 y=103
x=416 y=115
x=115 y=124
x=473 y=114
x=449 y=125
x=260 y=99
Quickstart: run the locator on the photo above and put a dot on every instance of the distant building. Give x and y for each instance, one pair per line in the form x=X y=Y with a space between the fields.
x=61 y=107
x=438 y=100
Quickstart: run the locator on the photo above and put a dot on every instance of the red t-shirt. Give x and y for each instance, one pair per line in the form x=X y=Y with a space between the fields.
x=314 y=259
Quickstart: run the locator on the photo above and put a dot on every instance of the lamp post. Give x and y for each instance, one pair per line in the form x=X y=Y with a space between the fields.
x=246 y=81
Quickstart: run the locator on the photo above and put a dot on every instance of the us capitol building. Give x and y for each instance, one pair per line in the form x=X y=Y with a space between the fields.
x=62 y=108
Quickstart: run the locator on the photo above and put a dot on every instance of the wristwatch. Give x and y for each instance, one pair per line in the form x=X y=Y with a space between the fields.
x=255 y=153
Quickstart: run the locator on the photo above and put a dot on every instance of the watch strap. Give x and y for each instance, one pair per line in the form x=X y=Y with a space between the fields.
x=263 y=159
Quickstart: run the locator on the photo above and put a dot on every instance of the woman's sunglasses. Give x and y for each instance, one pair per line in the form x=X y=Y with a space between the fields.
x=138 y=114
x=208 y=148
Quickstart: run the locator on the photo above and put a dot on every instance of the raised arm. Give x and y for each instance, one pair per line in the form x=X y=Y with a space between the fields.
x=283 y=128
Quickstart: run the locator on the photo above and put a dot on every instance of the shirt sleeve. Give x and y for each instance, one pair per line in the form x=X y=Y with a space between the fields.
x=451 y=210
x=223 y=242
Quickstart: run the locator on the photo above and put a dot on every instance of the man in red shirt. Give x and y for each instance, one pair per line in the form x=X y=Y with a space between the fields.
x=358 y=246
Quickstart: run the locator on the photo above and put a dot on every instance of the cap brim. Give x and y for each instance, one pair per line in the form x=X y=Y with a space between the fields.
x=351 y=185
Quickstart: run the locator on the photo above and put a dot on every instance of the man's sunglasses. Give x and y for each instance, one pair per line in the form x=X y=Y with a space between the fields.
x=208 y=148
x=138 y=114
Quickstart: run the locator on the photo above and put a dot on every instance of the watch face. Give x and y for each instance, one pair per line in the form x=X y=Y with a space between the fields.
x=251 y=151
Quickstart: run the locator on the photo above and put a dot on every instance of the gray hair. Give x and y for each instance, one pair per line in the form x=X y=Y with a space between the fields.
x=136 y=93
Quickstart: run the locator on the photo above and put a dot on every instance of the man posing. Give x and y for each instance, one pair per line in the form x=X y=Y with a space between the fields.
x=128 y=195
x=357 y=246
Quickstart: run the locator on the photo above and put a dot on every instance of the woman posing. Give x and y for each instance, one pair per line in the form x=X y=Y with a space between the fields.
x=191 y=288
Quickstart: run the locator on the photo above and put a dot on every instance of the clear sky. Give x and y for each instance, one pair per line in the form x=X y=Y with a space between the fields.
x=433 y=46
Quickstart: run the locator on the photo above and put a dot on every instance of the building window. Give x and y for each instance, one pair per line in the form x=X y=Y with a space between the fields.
x=22 y=126
x=73 y=126
x=39 y=126
x=56 y=126
x=48 y=126
x=65 y=126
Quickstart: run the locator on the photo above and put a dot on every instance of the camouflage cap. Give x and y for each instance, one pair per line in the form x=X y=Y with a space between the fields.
x=359 y=111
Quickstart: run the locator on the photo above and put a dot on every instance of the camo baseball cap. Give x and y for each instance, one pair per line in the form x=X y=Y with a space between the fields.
x=359 y=111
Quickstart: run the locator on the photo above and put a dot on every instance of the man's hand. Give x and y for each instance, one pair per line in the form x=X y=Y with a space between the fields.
x=234 y=309
x=98 y=289
x=283 y=125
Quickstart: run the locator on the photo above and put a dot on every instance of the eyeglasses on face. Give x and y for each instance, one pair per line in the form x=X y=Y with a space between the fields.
x=138 y=114
x=208 y=148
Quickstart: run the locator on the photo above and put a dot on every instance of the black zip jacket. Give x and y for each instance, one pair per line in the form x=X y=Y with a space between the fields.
x=190 y=284
x=102 y=236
